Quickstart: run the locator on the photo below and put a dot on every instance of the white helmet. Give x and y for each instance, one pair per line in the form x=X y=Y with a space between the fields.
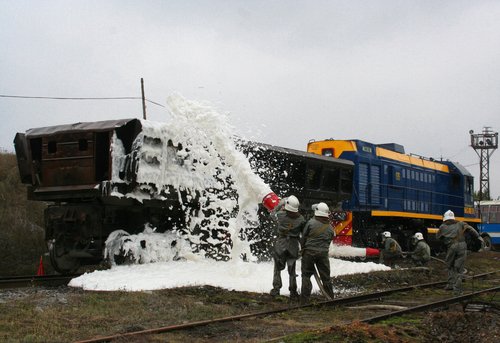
x=386 y=234
x=448 y=215
x=419 y=236
x=322 y=210
x=292 y=204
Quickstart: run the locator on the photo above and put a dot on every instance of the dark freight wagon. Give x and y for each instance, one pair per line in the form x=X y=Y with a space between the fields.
x=72 y=166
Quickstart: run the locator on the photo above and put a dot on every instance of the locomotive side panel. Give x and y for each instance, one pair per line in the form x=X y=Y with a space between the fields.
x=397 y=192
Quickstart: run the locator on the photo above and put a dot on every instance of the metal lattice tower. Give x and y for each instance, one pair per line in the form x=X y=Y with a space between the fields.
x=484 y=144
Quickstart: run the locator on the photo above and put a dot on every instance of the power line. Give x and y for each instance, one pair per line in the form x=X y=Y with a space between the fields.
x=78 y=98
x=460 y=152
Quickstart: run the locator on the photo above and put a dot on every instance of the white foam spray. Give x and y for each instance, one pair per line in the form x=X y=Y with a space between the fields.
x=195 y=153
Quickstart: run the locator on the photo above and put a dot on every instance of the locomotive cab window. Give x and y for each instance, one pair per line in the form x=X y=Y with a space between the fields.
x=327 y=152
x=485 y=211
x=494 y=214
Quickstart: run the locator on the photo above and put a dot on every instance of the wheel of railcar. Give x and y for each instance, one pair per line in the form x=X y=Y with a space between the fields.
x=473 y=242
x=115 y=254
x=121 y=258
x=487 y=243
x=60 y=259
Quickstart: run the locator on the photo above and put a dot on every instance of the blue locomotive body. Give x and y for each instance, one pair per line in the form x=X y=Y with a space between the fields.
x=397 y=192
x=388 y=180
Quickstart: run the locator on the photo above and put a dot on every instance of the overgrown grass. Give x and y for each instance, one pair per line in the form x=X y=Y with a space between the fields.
x=21 y=233
x=75 y=314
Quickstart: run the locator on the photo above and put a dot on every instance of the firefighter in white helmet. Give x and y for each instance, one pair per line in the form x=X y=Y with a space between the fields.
x=316 y=238
x=452 y=234
x=289 y=224
x=391 y=250
x=421 y=254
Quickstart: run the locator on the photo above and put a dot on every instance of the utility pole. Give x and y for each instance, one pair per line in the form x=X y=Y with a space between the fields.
x=484 y=144
x=143 y=100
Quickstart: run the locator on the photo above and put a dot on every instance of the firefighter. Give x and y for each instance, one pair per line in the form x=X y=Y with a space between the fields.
x=391 y=250
x=286 y=248
x=452 y=234
x=316 y=238
x=421 y=254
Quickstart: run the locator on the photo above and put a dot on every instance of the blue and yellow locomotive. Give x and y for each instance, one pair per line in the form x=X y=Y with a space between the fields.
x=397 y=192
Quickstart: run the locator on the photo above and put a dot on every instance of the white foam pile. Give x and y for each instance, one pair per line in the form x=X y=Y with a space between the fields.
x=233 y=275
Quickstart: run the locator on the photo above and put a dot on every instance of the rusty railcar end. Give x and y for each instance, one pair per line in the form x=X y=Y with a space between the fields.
x=71 y=161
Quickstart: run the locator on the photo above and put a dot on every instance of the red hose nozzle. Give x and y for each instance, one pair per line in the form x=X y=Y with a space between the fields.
x=270 y=201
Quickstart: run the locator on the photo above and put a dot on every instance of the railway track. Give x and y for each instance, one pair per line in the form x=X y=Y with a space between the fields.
x=338 y=302
x=32 y=280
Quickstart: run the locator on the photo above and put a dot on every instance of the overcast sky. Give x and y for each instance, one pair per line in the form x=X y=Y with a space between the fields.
x=418 y=73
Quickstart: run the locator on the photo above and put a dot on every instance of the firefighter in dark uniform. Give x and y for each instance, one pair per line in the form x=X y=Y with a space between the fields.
x=316 y=238
x=421 y=254
x=391 y=250
x=286 y=248
x=452 y=234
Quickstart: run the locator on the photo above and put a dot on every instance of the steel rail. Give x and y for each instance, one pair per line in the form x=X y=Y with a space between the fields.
x=32 y=280
x=429 y=306
x=375 y=295
x=338 y=301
